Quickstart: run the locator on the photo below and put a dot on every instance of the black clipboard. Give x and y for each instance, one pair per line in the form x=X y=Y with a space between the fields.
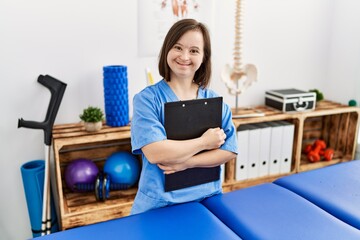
x=188 y=120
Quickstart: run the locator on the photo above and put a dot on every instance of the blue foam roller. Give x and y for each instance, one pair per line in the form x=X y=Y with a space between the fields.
x=116 y=95
x=33 y=181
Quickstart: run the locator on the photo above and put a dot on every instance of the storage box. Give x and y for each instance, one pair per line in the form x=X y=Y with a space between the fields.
x=337 y=125
x=290 y=100
x=71 y=141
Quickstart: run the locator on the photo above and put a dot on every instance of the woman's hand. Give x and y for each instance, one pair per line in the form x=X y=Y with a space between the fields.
x=177 y=151
x=213 y=138
x=172 y=168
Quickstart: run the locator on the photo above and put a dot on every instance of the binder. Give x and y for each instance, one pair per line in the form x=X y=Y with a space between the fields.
x=275 y=147
x=253 y=155
x=187 y=120
x=264 y=150
x=241 y=164
x=287 y=146
x=222 y=173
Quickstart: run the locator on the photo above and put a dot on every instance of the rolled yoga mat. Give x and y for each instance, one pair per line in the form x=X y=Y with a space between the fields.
x=33 y=181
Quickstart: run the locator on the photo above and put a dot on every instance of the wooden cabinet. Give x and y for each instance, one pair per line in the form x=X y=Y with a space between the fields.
x=335 y=123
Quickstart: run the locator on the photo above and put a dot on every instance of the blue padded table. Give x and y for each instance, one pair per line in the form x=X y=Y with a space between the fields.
x=185 y=221
x=268 y=211
x=336 y=189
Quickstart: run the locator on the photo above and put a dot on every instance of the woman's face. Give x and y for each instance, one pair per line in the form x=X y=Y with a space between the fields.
x=186 y=56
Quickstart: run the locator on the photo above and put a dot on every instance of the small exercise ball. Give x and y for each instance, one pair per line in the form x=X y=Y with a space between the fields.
x=122 y=167
x=80 y=171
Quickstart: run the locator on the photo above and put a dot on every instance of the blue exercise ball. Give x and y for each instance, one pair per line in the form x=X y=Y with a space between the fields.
x=123 y=168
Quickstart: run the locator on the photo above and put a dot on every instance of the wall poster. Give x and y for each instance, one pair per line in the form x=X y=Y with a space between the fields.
x=155 y=17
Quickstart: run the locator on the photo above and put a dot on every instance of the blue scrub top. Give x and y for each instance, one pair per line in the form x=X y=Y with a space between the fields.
x=147 y=126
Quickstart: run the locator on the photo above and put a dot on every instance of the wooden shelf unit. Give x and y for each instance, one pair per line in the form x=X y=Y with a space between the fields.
x=335 y=123
x=70 y=142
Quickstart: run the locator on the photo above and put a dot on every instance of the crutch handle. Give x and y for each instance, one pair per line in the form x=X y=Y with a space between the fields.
x=57 y=89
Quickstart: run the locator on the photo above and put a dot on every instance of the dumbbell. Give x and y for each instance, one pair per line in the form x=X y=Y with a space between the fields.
x=328 y=154
x=318 y=149
x=314 y=154
x=101 y=187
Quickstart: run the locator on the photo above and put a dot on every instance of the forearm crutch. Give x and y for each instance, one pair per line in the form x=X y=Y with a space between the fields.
x=57 y=89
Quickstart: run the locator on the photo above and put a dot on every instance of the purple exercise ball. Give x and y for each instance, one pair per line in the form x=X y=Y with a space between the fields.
x=80 y=171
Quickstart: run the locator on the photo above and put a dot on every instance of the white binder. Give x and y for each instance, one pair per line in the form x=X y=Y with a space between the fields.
x=241 y=172
x=264 y=150
x=222 y=173
x=275 y=147
x=287 y=146
x=253 y=155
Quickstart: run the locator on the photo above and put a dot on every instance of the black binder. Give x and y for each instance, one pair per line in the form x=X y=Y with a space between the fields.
x=188 y=120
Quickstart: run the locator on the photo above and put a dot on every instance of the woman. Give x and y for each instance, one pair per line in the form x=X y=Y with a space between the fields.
x=185 y=65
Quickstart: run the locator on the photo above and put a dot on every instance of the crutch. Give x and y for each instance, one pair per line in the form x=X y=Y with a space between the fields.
x=57 y=89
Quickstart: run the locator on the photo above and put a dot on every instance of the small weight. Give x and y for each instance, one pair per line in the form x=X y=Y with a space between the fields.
x=102 y=186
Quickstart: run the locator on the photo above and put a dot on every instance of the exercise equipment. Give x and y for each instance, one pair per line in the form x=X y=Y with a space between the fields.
x=318 y=150
x=80 y=171
x=121 y=171
x=32 y=174
x=57 y=89
x=122 y=167
x=314 y=154
x=352 y=103
x=116 y=95
x=101 y=186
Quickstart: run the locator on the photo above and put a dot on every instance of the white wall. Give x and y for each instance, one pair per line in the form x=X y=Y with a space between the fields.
x=343 y=74
x=301 y=43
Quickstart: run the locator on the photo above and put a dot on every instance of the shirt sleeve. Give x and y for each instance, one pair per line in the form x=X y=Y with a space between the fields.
x=146 y=125
x=230 y=131
x=231 y=143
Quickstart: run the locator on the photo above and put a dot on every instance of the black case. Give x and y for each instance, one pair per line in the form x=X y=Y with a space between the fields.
x=187 y=120
x=290 y=100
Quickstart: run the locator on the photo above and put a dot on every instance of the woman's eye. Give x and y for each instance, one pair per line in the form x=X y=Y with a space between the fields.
x=177 y=48
x=194 y=51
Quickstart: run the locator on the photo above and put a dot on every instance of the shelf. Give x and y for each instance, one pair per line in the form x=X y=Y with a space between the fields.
x=70 y=142
x=333 y=122
x=232 y=185
x=305 y=165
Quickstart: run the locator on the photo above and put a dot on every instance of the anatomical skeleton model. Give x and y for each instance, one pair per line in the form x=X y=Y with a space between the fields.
x=238 y=78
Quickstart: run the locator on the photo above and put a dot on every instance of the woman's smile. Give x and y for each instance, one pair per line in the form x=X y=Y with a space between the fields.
x=186 y=56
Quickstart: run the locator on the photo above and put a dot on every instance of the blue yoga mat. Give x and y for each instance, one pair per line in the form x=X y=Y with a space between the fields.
x=33 y=181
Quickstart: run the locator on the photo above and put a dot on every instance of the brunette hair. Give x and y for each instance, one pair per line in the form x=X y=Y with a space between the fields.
x=203 y=74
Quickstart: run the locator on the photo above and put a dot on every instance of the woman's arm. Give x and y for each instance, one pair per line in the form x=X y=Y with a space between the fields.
x=174 y=151
x=211 y=158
